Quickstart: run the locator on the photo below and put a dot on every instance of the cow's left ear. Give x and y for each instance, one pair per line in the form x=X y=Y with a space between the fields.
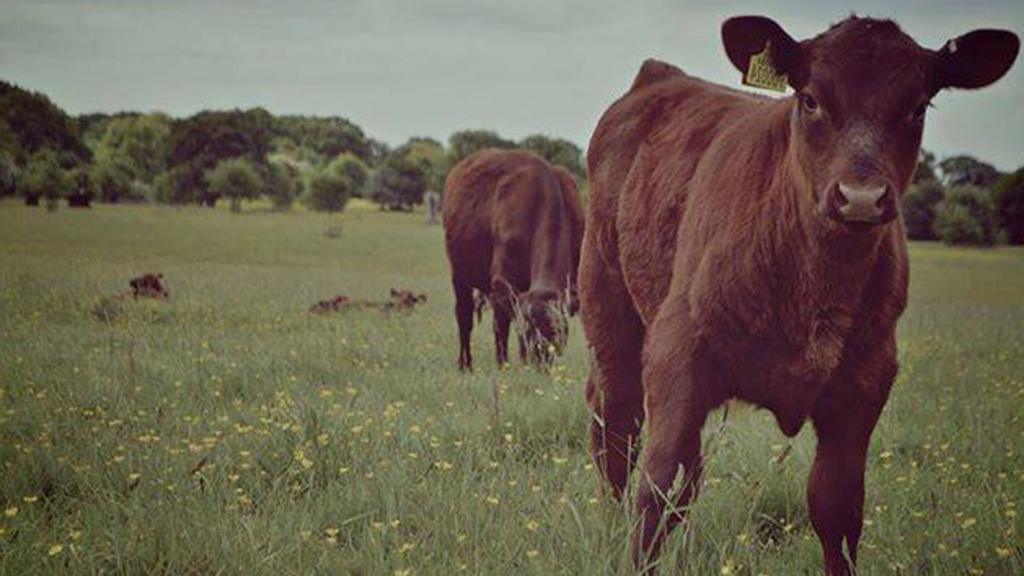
x=746 y=36
x=975 y=59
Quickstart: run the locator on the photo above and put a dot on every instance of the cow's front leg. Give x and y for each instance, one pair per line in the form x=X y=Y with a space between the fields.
x=844 y=418
x=677 y=400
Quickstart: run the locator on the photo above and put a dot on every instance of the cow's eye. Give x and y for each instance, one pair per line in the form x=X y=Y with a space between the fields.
x=808 y=103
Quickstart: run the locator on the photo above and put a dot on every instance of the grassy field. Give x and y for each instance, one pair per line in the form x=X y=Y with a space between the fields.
x=227 y=431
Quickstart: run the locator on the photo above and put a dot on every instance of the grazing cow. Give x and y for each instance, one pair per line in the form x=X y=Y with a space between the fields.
x=745 y=247
x=513 y=227
x=149 y=286
x=405 y=300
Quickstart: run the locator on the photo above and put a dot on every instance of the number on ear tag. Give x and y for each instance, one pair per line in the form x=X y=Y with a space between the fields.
x=761 y=73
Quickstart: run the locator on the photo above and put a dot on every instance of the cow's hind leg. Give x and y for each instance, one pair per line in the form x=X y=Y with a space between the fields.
x=464 y=318
x=844 y=418
x=615 y=335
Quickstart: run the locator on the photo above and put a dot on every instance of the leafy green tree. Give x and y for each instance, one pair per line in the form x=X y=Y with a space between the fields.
x=1009 y=197
x=399 y=183
x=329 y=191
x=966 y=216
x=968 y=171
x=174 y=186
x=328 y=137
x=8 y=174
x=430 y=155
x=139 y=143
x=44 y=178
x=113 y=180
x=353 y=169
x=919 y=208
x=198 y=143
x=556 y=151
x=281 y=184
x=36 y=124
x=465 y=142
x=235 y=179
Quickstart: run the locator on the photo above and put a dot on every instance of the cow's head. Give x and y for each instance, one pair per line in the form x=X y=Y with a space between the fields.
x=863 y=89
x=540 y=318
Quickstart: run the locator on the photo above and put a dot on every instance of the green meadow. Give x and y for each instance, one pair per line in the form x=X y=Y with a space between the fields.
x=228 y=431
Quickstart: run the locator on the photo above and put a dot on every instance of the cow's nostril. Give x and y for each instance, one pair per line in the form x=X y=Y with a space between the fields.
x=883 y=198
x=841 y=198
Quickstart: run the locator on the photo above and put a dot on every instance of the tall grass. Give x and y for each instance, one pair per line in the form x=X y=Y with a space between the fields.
x=228 y=431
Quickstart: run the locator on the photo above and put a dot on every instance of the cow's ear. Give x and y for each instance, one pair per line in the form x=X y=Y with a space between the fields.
x=746 y=36
x=975 y=59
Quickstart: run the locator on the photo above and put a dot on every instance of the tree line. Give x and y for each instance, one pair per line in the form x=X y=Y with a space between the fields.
x=235 y=156
x=226 y=155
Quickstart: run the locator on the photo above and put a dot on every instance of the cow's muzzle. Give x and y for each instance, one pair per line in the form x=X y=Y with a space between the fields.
x=860 y=204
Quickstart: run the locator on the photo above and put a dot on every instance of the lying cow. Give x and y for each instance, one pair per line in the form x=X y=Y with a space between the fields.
x=513 y=227
x=746 y=247
x=149 y=286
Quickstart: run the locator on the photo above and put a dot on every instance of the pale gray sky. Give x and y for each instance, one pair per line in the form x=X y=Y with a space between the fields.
x=428 y=67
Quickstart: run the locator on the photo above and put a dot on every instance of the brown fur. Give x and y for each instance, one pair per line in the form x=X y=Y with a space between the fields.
x=513 y=229
x=715 y=266
x=149 y=286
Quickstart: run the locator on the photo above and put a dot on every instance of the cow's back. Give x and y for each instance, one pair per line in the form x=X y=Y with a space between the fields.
x=641 y=160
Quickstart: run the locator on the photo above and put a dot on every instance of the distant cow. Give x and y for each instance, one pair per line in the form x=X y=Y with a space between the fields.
x=513 y=228
x=406 y=299
x=149 y=286
x=745 y=247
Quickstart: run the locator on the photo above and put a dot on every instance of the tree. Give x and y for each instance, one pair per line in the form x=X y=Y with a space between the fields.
x=83 y=188
x=556 y=151
x=966 y=216
x=329 y=191
x=235 y=179
x=1009 y=198
x=37 y=124
x=353 y=169
x=399 y=183
x=430 y=156
x=281 y=184
x=138 y=142
x=197 y=144
x=925 y=169
x=463 y=143
x=919 y=209
x=968 y=170
x=44 y=178
x=113 y=180
x=8 y=174
x=174 y=187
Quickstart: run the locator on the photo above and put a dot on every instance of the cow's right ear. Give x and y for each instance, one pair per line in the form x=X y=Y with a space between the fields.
x=746 y=36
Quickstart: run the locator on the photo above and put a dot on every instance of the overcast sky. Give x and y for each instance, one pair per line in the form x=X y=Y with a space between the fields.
x=400 y=68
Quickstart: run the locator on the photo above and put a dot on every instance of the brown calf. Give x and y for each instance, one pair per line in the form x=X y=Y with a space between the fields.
x=513 y=229
x=149 y=286
x=746 y=247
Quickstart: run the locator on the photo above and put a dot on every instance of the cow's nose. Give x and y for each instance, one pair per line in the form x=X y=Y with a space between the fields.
x=866 y=204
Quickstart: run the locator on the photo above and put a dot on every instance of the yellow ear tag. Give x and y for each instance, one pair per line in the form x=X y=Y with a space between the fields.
x=761 y=73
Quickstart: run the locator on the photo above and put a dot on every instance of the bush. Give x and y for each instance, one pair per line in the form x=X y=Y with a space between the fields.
x=399 y=183
x=112 y=180
x=919 y=209
x=8 y=174
x=235 y=179
x=966 y=216
x=1009 y=198
x=329 y=191
x=352 y=169
x=44 y=178
x=83 y=188
x=173 y=186
x=281 y=184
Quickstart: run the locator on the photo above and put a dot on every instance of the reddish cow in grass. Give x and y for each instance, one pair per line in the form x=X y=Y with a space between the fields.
x=746 y=247
x=513 y=228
